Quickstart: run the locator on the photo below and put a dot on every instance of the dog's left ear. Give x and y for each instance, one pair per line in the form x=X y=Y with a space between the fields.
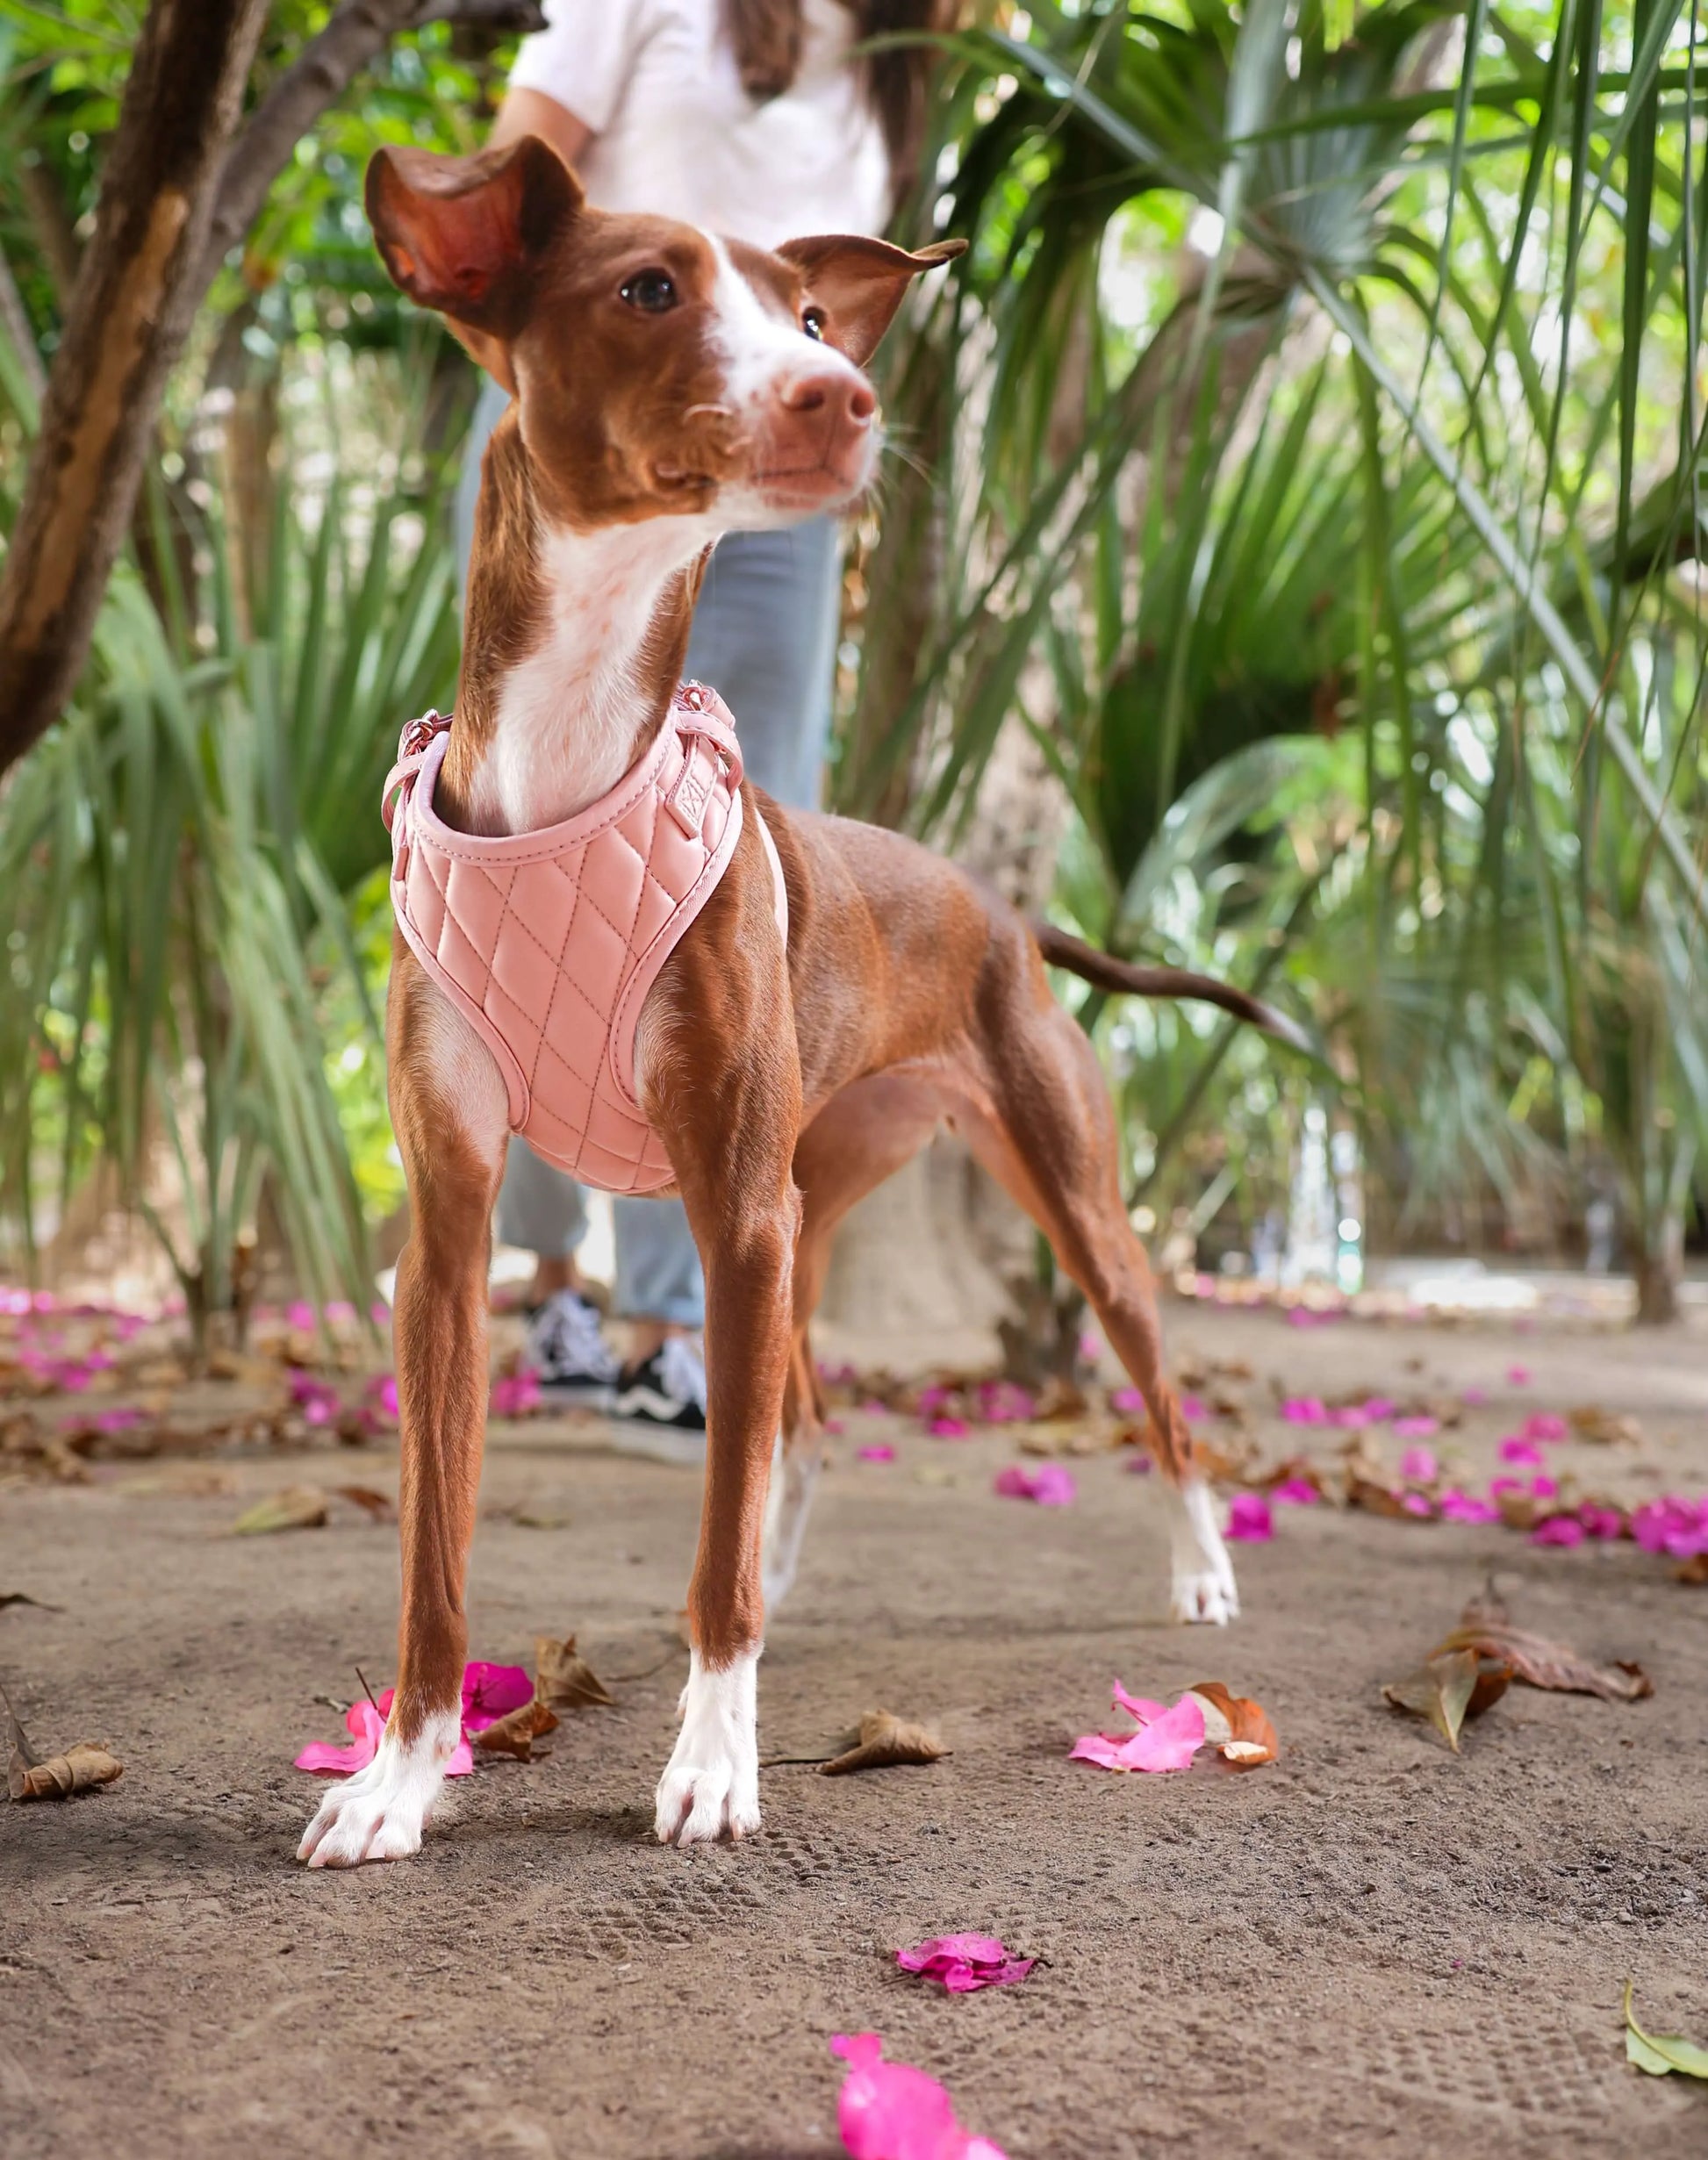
x=859 y=283
x=467 y=235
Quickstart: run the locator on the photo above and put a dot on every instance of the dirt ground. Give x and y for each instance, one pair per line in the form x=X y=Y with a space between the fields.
x=1367 y=1946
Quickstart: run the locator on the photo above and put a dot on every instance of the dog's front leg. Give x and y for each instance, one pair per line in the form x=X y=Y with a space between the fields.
x=733 y=1166
x=450 y=1112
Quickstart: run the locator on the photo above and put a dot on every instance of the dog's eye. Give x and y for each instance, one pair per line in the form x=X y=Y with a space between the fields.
x=652 y=292
x=812 y=321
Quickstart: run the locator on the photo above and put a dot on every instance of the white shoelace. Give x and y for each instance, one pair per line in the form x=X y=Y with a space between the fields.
x=683 y=1370
x=564 y=1336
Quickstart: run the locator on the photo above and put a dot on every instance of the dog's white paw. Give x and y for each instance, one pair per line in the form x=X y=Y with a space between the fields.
x=794 y=1479
x=1204 y=1597
x=1203 y=1589
x=710 y=1788
x=378 y=1814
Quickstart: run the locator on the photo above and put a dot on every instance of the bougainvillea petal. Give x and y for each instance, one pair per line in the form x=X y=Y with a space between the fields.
x=965 y=1963
x=1249 y=1519
x=888 y=2111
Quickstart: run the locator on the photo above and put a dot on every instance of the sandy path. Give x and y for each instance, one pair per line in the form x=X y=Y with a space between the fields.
x=1368 y=1947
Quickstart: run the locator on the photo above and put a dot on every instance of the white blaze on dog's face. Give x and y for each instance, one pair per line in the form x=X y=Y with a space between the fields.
x=660 y=371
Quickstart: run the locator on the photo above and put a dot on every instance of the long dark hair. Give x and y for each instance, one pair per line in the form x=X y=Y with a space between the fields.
x=765 y=37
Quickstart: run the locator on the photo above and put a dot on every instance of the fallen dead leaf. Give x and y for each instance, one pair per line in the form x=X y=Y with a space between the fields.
x=1449 y=1689
x=1235 y=1725
x=1374 y=1499
x=515 y=1733
x=375 y=1505
x=1660 y=2054
x=885 y=1739
x=566 y=1680
x=298 y=1507
x=79 y=1769
x=1692 y=1570
x=1607 y=1428
x=1485 y=1627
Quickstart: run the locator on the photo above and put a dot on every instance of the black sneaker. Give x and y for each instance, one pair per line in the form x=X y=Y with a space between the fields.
x=667 y=1389
x=567 y=1348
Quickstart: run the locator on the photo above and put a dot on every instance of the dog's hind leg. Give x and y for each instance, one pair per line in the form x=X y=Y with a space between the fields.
x=1048 y=1133
x=449 y=1110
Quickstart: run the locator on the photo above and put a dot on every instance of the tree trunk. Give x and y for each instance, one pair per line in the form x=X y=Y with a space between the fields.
x=135 y=297
x=1657 y=1287
x=172 y=203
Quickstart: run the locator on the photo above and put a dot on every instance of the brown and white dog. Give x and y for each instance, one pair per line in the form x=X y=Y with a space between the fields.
x=670 y=386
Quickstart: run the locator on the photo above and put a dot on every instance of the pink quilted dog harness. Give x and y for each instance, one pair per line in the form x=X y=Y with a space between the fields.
x=548 y=942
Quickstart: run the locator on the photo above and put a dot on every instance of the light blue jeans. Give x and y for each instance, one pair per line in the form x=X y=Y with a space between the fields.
x=765 y=636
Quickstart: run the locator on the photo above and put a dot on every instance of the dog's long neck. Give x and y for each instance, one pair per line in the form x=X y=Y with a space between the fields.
x=573 y=641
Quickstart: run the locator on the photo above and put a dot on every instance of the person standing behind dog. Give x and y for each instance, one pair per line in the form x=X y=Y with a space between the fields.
x=758 y=120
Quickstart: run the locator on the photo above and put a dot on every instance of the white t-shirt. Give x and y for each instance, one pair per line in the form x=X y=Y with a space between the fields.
x=674 y=133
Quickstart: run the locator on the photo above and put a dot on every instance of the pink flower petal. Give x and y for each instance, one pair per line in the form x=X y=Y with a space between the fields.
x=965 y=1963
x=881 y=1453
x=1194 y=1408
x=492 y=1691
x=1519 y=1375
x=1049 y=1484
x=1419 y=1466
x=1601 y=1522
x=1127 y=1401
x=949 y=1428
x=1559 y=1530
x=1543 y=1425
x=1512 y=1449
x=1460 y=1507
x=1166 y=1739
x=1498 y=1485
x=888 y=2111
x=1416 y=1428
x=1305 y=1409
x=1249 y=1519
x=1296 y=1492
x=1417 y=1503
x=1473 y=1398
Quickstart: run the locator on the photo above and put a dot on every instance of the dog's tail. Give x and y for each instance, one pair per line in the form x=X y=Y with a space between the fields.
x=1123 y=977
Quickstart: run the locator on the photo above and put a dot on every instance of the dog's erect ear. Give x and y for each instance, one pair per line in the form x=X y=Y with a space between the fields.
x=466 y=235
x=859 y=283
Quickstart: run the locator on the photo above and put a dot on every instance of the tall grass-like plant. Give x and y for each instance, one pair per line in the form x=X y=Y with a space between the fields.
x=181 y=852
x=1416 y=453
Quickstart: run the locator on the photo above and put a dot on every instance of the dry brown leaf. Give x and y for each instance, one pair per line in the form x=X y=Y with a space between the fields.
x=1607 y=1428
x=1541 y=1663
x=375 y=1505
x=1485 y=1625
x=298 y=1507
x=885 y=1739
x=563 y=1678
x=1291 y=1466
x=79 y=1769
x=516 y=1734
x=1450 y=1689
x=1233 y=1464
x=1692 y=1570
x=1373 y=1498
x=1235 y=1725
